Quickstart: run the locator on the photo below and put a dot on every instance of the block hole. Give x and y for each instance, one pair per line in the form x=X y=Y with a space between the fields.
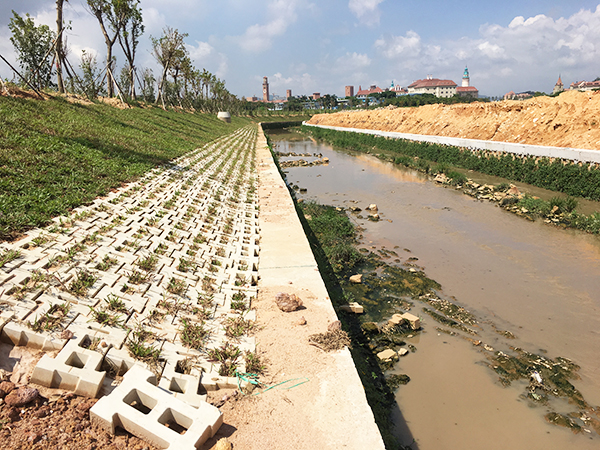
x=178 y=385
x=201 y=390
x=77 y=360
x=140 y=401
x=175 y=421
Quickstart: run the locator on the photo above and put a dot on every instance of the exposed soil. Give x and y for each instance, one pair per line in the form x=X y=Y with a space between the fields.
x=56 y=418
x=569 y=120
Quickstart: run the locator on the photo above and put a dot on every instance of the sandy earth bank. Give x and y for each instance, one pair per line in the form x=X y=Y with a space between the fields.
x=570 y=120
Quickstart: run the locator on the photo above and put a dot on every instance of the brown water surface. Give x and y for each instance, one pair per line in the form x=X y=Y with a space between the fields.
x=537 y=281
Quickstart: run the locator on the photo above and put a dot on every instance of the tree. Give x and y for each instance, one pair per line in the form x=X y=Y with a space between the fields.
x=60 y=54
x=90 y=86
x=104 y=10
x=148 y=82
x=167 y=50
x=129 y=30
x=33 y=44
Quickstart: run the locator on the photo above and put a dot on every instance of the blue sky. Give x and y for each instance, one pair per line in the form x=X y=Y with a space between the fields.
x=323 y=46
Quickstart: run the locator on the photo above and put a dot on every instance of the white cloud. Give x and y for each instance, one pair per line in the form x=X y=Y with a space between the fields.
x=520 y=56
x=281 y=13
x=302 y=82
x=400 y=46
x=367 y=11
x=352 y=61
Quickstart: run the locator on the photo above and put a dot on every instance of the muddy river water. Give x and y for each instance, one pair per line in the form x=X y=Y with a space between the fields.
x=539 y=282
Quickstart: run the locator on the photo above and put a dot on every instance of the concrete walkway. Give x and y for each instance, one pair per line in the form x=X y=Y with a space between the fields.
x=330 y=410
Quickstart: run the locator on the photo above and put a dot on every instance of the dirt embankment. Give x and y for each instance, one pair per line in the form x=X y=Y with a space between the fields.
x=570 y=120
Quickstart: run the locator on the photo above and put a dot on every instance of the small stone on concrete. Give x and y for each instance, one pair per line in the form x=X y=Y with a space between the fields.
x=288 y=302
x=302 y=321
x=334 y=326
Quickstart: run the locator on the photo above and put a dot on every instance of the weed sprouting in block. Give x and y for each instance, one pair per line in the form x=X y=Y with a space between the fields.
x=148 y=263
x=8 y=256
x=254 y=364
x=137 y=277
x=106 y=318
x=116 y=304
x=52 y=319
x=177 y=286
x=192 y=334
x=82 y=282
x=185 y=265
x=140 y=344
x=238 y=302
x=106 y=263
x=227 y=355
x=236 y=327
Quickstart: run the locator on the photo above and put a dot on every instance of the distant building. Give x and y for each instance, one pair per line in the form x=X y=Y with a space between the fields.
x=558 y=87
x=316 y=96
x=585 y=85
x=399 y=90
x=252 y=99
x=349 y=91
x=466 y=90
x=265 y=89
x=520 y=96
x=288 y=93
x=364 y=93
x=435 y=86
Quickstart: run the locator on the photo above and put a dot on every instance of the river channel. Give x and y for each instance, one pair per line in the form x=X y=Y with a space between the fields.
x=537 y=281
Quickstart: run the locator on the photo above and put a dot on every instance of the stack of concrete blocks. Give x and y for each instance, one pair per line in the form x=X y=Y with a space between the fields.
x=154 y=415
x=75 y=368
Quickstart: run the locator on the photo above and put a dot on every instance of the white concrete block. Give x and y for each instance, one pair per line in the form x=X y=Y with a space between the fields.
x=75 y=368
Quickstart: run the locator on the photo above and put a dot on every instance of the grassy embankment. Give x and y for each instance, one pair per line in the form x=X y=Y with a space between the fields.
x=56 y=155
x=572 y=179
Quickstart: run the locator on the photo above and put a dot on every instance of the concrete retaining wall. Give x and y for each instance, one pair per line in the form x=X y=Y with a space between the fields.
x=571 y=154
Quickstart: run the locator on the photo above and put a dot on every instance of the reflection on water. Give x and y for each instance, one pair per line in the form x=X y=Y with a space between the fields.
x=539 y=282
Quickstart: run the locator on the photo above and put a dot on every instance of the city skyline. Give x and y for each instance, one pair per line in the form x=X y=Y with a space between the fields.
x=309 y=47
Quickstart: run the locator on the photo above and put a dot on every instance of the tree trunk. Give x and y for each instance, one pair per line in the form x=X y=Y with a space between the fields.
x=59 y=46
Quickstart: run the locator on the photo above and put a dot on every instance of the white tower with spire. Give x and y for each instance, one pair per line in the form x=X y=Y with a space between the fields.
x=466 y=82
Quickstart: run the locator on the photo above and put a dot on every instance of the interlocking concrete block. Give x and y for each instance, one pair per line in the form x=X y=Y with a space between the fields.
x=24 y=337
x=85 y=325
x=75 y=368
x=185 y=387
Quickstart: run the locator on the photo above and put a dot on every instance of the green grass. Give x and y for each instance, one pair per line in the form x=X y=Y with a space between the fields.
x=55 y=156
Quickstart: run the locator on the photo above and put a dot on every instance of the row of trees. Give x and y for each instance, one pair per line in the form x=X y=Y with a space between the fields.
x=43 y=54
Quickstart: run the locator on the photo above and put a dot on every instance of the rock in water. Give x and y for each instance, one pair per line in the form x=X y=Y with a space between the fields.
x=21 y=396
x=356 y=278
x=287 y=302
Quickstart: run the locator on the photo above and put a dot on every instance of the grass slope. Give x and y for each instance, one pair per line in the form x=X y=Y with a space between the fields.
x=55 y=155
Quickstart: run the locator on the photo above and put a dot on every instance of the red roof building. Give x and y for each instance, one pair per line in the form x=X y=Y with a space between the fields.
x=467 y=91
x=585 y=85
x=363 y=93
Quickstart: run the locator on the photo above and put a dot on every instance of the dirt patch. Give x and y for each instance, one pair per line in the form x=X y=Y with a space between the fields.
x=569 y=120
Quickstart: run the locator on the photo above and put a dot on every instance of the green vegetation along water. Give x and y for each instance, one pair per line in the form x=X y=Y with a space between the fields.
x=515 y=301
